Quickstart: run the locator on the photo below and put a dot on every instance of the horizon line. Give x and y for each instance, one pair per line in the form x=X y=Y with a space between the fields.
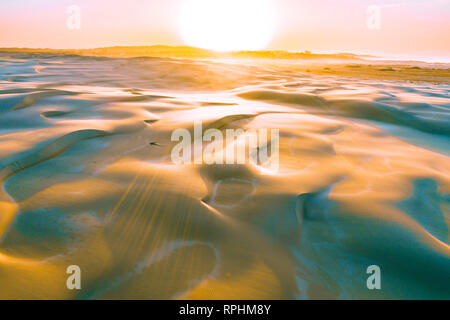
x=223 y=54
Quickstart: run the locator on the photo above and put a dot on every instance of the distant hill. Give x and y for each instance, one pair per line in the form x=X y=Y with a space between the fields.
x=184 y=52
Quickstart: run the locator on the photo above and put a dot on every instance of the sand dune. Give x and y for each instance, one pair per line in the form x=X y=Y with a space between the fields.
x=87 y=179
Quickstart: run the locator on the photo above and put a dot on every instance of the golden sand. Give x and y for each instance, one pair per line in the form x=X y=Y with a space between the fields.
x=87 y=179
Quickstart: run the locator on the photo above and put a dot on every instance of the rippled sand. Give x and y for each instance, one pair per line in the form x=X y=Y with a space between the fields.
x=87 y=180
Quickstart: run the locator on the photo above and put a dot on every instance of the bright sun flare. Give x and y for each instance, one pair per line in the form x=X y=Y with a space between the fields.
x=227 y=25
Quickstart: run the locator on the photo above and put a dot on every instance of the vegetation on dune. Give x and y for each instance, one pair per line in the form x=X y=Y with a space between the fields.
x=340 y=64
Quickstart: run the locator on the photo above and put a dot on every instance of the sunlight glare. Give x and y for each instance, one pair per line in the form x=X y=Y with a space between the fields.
x=227 y=25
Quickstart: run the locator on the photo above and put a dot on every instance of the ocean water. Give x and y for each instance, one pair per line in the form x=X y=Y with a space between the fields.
x=87 y=179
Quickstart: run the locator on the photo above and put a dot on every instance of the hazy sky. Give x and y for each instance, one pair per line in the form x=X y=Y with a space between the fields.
x=408 y=28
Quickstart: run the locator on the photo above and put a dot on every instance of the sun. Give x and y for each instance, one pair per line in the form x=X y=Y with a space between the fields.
x=227 y=25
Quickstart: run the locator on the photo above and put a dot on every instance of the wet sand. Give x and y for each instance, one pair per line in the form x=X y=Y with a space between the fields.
x=87 y=179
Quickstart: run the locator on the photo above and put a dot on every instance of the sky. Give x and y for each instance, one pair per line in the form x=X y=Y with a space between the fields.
x=401 y=28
